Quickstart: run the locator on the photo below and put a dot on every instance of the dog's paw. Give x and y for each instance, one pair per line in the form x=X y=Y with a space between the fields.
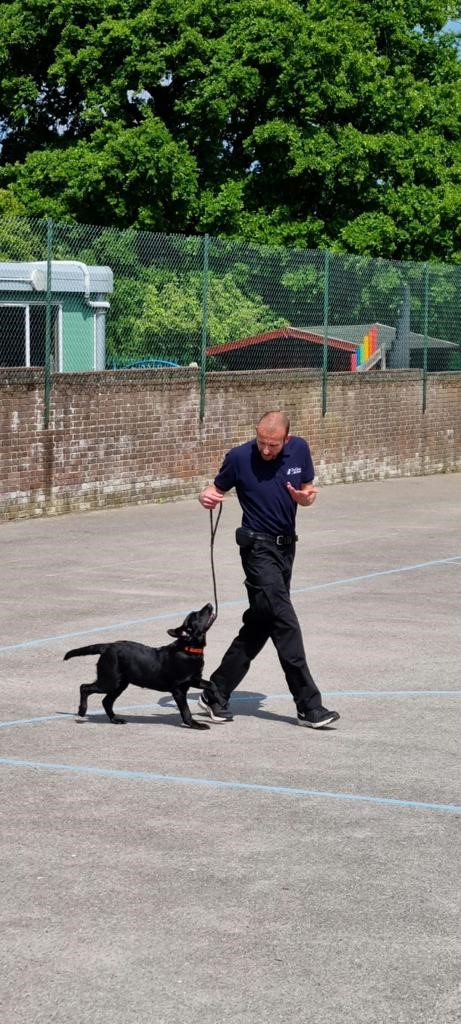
x=198 y=725
x=81 y=718
x=118 y=721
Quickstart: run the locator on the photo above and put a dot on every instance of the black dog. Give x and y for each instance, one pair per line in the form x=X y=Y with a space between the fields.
x=173 y=668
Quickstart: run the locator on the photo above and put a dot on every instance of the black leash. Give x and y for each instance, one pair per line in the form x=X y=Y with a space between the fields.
x=213 y=529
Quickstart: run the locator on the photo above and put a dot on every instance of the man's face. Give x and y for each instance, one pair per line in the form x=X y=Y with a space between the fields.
x=270 y=443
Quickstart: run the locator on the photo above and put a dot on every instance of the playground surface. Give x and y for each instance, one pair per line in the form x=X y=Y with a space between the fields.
x=257 y=873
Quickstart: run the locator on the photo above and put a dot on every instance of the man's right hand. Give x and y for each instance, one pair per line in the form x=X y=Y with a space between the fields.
x=211 y=497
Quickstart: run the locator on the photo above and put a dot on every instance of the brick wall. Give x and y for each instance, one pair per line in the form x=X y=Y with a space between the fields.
x=119 y=437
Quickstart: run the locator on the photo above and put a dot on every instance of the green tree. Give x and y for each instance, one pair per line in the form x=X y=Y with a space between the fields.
x=161 y=316
x=22 y=239
x=319 y=124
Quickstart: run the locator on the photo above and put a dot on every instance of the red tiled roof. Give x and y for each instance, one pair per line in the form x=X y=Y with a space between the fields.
x=282 y=332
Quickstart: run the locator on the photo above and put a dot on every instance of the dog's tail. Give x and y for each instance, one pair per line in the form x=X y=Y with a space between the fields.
x=79 y=652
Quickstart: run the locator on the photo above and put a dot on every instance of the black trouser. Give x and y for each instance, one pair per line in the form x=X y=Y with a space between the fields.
x=271 y=614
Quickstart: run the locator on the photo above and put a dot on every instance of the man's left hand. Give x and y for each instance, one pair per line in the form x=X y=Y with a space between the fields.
x=306 y=495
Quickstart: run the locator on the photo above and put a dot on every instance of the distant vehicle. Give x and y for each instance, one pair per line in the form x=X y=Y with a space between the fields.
x=142 y=364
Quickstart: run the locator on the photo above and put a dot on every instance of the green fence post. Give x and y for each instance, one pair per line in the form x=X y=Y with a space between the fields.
x=425 y=330
x=326 y=303
x=206 y=242
x=48 y=325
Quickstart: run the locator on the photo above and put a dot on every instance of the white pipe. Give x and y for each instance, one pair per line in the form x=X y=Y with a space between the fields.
x=83 y=267
x=16 y=280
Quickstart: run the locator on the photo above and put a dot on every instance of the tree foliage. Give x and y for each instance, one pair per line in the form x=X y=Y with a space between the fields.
x=319 y=124
x=160 y=315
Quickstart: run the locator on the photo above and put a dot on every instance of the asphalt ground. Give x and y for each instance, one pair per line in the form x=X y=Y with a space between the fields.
x=257 y=872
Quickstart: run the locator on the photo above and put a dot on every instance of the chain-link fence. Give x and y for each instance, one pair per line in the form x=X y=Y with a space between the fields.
x=78 y=298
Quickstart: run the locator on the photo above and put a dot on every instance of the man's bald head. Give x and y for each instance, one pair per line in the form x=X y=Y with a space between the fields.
x=274 y=419
x=271 y=433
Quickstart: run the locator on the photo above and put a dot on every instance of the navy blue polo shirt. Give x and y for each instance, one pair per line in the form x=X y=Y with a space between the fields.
x=261 y=484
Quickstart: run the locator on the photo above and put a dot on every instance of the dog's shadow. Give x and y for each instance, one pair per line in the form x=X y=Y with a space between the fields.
x=245 y=703
x=132 y=719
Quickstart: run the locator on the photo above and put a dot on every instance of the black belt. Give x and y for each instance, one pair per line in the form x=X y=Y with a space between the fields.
x=282 y=540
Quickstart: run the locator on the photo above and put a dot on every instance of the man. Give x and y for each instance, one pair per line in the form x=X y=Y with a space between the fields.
x=272 y=476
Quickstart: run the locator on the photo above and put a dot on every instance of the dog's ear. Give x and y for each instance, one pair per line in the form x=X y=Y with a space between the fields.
x=179 y=631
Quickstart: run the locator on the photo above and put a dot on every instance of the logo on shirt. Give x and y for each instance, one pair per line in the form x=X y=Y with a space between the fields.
x=293 y=469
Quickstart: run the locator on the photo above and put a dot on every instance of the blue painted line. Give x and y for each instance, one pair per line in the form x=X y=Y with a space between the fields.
x=251 y=787
x=224 y=604
x=71 y=714
x=238 y=698
x=381 y=572
x=31 y=721
x=368 y=693
x=263 y=698
x=93 y=629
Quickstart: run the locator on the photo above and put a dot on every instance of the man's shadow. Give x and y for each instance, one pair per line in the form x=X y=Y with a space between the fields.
x=243 y=702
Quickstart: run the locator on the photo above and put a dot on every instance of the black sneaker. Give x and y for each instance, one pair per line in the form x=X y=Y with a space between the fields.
x=317 y=718
x=217 y=712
